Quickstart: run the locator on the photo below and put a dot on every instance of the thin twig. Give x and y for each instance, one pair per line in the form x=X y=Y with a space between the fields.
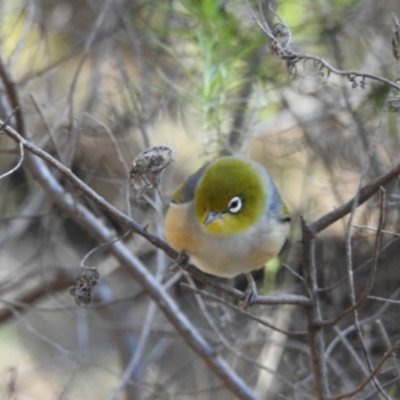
x=285 y=52
x=20 y=161
x=378 y=241
x=243 y=312
x=57 y=283
x=388 y=343
x=364 y=194
x=371 y=376
x=313 y=315
x=371 y=275
x=224 y=340
x=126 y=341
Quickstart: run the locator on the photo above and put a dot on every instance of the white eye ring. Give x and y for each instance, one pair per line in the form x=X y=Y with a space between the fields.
x=235 y=205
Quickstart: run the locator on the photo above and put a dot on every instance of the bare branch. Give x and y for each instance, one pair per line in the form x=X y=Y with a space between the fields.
x=244 y=312
x=363 y=195
x=371 y=275
x=373 y=373
x=313 y=315
x=20 y=161
x=284 y=51
x=57 y=283
x=396 y=37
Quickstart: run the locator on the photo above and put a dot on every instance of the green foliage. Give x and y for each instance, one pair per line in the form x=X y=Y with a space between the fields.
x=217 y=47
x=271 y=268
x=393 y=391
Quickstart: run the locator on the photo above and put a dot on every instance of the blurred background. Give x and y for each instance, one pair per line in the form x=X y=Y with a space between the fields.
x=102 y=81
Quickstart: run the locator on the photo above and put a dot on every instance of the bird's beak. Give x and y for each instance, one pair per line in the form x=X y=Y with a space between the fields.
x=211 y=216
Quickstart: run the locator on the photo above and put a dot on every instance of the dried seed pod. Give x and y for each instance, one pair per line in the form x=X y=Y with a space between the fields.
x=148 y=166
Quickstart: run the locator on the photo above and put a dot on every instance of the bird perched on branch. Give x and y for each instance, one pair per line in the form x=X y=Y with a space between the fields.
x=229 y=218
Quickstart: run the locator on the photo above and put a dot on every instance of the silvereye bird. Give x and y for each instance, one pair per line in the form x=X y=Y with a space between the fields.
x=229 y=218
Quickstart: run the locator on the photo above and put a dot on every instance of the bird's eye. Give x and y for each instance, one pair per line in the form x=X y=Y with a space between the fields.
x=235 y=205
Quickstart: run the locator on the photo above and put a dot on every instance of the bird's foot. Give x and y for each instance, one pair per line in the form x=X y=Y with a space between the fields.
x=251 y=294
x=181 y=261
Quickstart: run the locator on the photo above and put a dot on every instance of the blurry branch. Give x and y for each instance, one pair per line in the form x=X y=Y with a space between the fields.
x=59 y=282
x=127 y=344
x=20 y=161
x=49 y=132
x=349 y=251
x=29 y=210
x=88 y=221
x=388 y=343
x=231 y=348
x=361 y=267
x=236 y=136
x=370 y=319
x=358 y=303
x=144 y=115
x=89 y=40
x=281 y=44
x=243 y=312
x=371 y=276
x=377 y=247
x=313 y=315
x=396 y=37
x=361 y=197
x=371 y=376
x=113 y=140
x=10 y=149
x=350 y=274
x=134 y=363
x=30 y=10
x=371 y=228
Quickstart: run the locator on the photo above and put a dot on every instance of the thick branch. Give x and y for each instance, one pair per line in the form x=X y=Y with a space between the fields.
x=364 y=194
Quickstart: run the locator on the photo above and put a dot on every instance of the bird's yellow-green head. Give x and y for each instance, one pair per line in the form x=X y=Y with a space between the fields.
x=230 y=197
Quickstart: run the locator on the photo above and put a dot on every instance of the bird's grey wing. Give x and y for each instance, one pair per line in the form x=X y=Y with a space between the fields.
x=276 y=205
x=185 y=191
